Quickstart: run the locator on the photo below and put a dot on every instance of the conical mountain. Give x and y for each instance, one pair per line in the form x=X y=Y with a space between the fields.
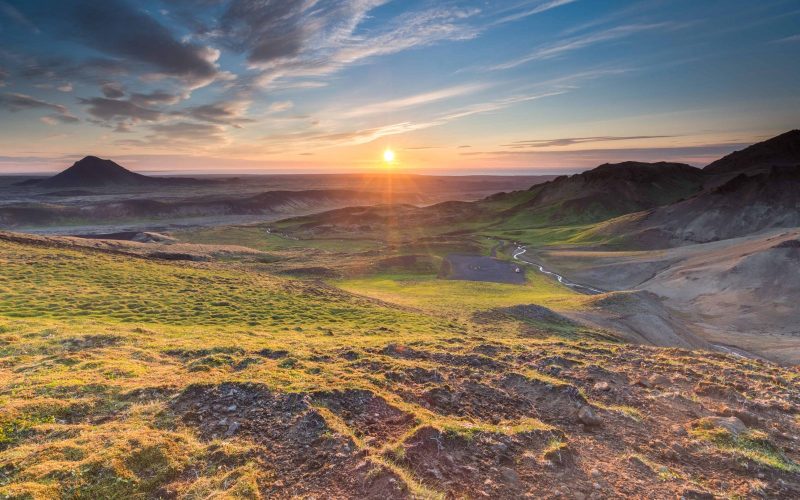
x=92 y=171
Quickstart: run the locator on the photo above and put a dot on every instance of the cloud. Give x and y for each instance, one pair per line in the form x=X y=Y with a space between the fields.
x=109 y=109
x=569 y=141
x=188 y=130
x=300 y=39
x=496 y=105
x=57 y=118
x=223 y=112
x=119 y=29
x=561 y=47
x=18 y=17
x=367 y=135
x=530 y=9
x=788 y=39
x=280 y=106
x=66 y=87
x=180 y=135
x=3 y=77
x=112 y=90
x=155 y=98
x=20 y=102
x=414 y=100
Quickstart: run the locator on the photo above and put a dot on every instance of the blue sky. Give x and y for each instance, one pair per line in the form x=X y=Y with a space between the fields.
x=452 y=86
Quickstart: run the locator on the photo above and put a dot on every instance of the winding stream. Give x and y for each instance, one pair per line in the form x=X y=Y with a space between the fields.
x=520 y=251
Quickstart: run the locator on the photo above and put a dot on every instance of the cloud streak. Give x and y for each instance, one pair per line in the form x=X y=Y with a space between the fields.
x=531 y=9
x=413 y=101
x=571 y=141
x=572 y=44
x=15 y=102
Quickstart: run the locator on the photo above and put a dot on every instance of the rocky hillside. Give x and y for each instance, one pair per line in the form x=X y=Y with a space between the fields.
x=607 y=191
x=780 y=151
x=744 y=205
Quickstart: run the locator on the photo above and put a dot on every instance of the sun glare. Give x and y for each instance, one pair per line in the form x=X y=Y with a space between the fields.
x=388 y=156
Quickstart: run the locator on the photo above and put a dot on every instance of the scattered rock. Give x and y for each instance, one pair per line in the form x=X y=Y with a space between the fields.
x=588 y=418
x=693 y=494
x=730 y=424
x=659 y=381
x=748 y=418
x=602 y=386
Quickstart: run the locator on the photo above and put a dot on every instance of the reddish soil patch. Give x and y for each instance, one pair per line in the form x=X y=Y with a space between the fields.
x=369 y=416
x=307 y=455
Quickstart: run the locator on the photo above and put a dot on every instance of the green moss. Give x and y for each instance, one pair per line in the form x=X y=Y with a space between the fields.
x=752 y=444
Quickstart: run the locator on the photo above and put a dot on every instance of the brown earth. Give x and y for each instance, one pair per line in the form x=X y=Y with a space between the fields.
x=488 y=420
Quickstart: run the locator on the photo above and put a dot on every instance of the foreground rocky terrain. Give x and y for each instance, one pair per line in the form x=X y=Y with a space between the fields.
x=106 y=394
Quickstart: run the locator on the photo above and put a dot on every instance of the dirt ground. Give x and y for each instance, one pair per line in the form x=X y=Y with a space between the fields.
x=486 y=420
x=738 y=293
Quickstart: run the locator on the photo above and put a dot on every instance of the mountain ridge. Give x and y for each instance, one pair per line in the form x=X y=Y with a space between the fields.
x=781 y=150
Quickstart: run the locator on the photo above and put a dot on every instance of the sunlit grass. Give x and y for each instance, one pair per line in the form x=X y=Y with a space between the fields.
x=429 y=293
x=751 y=444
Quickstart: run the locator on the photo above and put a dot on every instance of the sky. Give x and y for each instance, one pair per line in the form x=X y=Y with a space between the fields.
x=490 y=86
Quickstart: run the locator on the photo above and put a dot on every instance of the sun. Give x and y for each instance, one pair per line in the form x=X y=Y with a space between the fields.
x=388 y=155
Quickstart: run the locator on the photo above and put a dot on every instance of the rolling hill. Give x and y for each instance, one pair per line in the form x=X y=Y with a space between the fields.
x=744 y=205
x=285 y=203
x=601 y=193
x=780 y=151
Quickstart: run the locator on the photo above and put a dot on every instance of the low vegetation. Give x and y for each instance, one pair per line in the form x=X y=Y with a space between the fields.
x=127 y=377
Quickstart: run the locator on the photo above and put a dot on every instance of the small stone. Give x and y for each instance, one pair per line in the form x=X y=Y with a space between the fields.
x=660 y=381
x=587 y=417
x=232 y=408
x=730 y=424
x=232 y=429
x=602 y=386
x=510 y=477
x=692 y=494
x=748 y=418
x=639 y=463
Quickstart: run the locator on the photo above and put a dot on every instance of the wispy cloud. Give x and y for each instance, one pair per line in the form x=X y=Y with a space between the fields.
x=562 y=47
x=370 y=134
x=570 y=141
x=414 y=100
x=15 y=102
x=335 y=41
x=528 y=9
x=788 y=39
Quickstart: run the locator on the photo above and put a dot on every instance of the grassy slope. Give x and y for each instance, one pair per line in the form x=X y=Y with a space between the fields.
x=86 y=335
x=462 y=297
x=93 y=347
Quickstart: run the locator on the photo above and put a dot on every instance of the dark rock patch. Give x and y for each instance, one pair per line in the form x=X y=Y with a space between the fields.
x=368 y=415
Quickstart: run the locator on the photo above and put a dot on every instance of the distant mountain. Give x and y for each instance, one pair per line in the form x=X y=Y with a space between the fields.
x=602 y=193
x=780 y=151
x=96 y=172
x=744 y=205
